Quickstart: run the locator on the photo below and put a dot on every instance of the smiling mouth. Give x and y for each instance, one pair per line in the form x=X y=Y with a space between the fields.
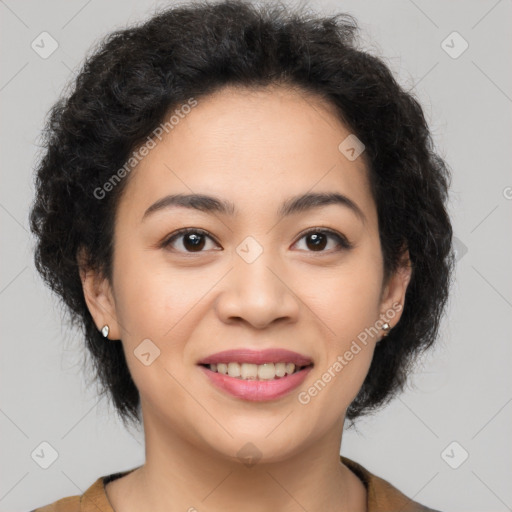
x=255 y=372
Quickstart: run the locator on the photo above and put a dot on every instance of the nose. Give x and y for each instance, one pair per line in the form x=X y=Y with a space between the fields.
x=257 y=293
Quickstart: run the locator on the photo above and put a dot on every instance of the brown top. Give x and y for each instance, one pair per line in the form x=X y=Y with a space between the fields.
x=382 y=496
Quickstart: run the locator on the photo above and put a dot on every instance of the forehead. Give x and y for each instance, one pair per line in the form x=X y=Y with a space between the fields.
x=251 y=147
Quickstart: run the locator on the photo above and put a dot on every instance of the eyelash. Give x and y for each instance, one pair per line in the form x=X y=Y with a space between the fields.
x=343 y=243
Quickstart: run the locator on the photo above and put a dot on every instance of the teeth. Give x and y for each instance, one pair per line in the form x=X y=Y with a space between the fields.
x=280 y=369
x=266 y=371
x=249 y=371
x=233 y=369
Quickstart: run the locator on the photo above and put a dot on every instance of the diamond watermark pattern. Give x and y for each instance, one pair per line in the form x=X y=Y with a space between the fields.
x=44 y=45
x=351 y=147
x=44 y=455
x=454 y=455
x=459 y=249
x=249 y=454
x=249 y=250
x=454 y=45
x=146 y=352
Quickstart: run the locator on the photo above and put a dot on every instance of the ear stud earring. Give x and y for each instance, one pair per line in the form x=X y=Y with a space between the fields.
x=386 y=328
x=105 y=330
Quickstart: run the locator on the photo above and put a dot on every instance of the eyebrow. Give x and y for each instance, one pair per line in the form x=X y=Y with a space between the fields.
x=293 y=205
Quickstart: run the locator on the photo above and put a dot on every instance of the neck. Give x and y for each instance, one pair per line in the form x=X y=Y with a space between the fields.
x=179 y=475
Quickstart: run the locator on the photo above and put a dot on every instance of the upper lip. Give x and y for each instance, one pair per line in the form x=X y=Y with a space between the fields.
x=271 y=355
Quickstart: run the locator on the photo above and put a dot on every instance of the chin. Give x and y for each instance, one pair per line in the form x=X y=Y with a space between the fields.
x=249 y=450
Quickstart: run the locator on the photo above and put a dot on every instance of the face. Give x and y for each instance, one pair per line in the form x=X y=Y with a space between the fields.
x=262 y=273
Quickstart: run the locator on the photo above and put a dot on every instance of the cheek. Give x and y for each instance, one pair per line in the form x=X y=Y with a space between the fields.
x=346 y=299
x=339 y=374
x=153 y=296
x=163 y=306
x=157 y=310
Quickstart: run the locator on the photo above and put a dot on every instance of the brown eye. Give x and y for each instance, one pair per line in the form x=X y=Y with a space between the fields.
x=188 y=240
x=193 y=241
x=318 y=239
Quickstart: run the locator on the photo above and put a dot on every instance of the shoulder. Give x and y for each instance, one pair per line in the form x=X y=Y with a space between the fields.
x=94 y=495
x=383 y=496
x=94 y=499
x=69 y=504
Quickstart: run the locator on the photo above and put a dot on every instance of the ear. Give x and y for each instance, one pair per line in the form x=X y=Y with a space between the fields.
x=393 y=294
x=99 y=298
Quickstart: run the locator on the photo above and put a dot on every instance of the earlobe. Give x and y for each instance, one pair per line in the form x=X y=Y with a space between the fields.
x=393 y=298
x=100 y=302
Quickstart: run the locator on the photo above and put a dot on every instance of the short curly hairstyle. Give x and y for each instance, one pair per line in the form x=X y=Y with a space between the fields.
x=137 y=75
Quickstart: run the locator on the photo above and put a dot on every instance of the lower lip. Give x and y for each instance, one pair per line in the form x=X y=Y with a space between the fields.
x=257 y=390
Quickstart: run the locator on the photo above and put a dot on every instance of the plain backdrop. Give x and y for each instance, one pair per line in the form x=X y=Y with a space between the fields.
x=445 y=442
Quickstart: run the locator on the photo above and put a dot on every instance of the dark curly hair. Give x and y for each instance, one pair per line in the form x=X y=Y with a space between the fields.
x=137 y=75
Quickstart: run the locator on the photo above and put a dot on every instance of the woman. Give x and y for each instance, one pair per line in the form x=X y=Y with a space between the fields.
x=247 y=216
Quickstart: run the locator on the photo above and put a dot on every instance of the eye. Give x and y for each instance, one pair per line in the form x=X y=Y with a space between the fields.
x=317 y=239
x=194 y=240
x=190 y=239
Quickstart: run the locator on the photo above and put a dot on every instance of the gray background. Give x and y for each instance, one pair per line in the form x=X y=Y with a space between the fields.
x=462 y=392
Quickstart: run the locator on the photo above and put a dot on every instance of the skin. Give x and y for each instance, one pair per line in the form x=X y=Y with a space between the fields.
x=256 y=149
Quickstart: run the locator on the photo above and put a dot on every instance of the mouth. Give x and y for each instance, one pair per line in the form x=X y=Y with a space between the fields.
x=255 y=372
x=256 y=375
